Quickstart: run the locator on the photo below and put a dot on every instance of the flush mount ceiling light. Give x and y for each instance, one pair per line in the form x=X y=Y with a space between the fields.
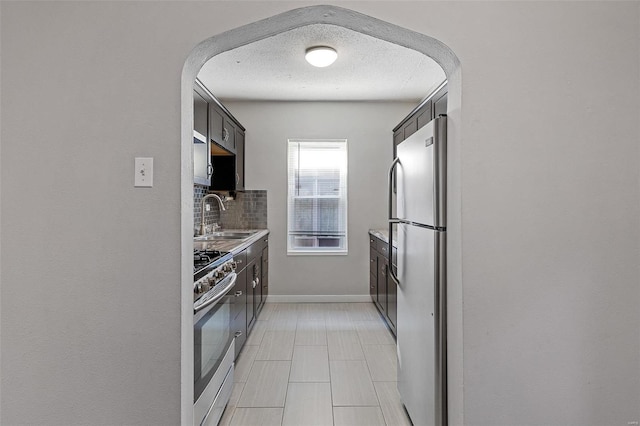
x=321 y=56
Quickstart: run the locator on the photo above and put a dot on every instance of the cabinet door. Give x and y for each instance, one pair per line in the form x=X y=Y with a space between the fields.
x=382 y=283
x=239 y=324
x=239 y=160
x=440 y=102
x=200 y=114
x=229 y=135
x=265 y=275
x=239 y=295
x=425 y=114
x=373 y=268
x=257 y=288
x=373 y=261
x=201 y=159
x=410 y=127
x=373 y=286
x=250 y=284
x=216 y=124
x=392 y=302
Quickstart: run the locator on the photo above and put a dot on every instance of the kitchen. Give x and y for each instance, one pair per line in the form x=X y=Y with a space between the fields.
x=90 y=353
x=269 y=94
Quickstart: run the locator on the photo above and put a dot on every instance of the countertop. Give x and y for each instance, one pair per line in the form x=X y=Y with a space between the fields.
x=233 y=246
x=383 y=234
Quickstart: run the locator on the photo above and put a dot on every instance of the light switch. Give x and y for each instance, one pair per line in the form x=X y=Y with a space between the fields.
x=143 y=172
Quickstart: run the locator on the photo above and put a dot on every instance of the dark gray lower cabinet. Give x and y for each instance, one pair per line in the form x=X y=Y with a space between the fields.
x=382 y=288
x=251 y=289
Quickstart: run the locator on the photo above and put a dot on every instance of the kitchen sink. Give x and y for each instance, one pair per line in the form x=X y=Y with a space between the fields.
x=226 y=235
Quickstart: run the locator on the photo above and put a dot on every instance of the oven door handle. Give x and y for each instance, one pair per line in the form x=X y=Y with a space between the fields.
x=220 y=295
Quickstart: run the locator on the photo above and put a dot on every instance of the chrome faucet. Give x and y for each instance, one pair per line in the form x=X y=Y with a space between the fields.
x=204 y=200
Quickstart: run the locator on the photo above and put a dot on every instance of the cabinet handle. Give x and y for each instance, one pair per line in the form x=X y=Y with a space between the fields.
x=238 y=334
x=253 y=284
x=237 y=179
x=257 y=280
x=209 y=170
x=371 y=241
x=371 y=260
x=238 y=293
x=225 y=134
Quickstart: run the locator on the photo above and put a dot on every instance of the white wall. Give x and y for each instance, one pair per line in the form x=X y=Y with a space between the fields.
x=549 y=197
x=368 y=130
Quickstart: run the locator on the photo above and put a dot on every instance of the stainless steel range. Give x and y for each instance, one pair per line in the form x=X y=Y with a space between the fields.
x=213 y=341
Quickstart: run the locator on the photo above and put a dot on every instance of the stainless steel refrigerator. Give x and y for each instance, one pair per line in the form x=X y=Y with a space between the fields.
x=419 y=227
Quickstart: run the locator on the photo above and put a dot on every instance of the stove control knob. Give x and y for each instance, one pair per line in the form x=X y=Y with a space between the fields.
x=227 y=267
x=197 y=289
x=218 y=275
x=234 y=266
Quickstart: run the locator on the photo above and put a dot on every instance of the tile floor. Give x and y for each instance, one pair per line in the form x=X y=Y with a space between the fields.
x=317 y=364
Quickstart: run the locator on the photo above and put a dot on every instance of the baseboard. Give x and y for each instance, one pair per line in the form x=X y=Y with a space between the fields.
x=318 y=298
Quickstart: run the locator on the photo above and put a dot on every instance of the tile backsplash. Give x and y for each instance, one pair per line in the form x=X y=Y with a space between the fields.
x=247 y=211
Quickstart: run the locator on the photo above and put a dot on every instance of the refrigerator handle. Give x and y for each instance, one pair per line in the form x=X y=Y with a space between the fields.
x=392 y=220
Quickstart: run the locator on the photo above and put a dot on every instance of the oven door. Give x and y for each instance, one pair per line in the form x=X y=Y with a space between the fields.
x=212 y=336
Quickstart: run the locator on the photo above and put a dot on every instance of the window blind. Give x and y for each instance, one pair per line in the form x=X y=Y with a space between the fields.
x=317 y=196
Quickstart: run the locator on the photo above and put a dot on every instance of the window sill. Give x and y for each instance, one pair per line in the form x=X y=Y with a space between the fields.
x=318 y=253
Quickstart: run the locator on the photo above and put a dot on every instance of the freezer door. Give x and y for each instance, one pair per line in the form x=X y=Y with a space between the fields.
x=421 y=354
x=421 y=175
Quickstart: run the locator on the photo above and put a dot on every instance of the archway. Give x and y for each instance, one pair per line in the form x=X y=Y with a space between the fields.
x=265 y=28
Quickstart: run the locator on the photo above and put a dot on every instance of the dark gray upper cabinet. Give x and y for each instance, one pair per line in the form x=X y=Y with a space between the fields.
x=434 y=105
x=219 y=156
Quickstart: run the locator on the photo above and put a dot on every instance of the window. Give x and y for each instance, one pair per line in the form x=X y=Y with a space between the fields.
x=317 y=197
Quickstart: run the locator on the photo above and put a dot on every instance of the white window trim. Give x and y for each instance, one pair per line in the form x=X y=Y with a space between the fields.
x=316 y=251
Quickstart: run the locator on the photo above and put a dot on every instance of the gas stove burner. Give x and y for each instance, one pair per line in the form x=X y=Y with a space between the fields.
x=202 y=256
x=204 y=260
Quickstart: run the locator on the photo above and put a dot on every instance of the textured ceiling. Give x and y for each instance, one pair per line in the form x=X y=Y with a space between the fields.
x=366 y=69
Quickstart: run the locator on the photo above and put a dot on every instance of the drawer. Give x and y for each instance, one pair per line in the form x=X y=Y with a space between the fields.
x=383 y=248
x=256 y=248
x=238 y=295
x=373 y=242
x=241 y=260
